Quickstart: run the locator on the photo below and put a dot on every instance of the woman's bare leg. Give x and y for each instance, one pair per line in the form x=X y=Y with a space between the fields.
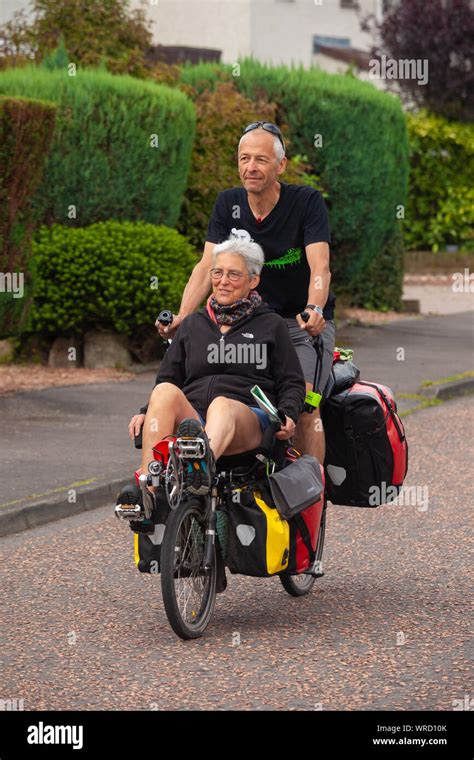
x=168 y=406
x=231 y=427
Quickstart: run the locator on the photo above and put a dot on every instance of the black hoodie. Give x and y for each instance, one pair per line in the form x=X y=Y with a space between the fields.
x=258 y=350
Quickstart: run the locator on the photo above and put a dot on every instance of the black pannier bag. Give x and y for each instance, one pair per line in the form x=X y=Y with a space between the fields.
x=147 y=545
x=366 y=449
x=258 y=539
x=343 y=375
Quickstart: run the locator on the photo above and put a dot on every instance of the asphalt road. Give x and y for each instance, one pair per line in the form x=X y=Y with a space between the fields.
x=386 y=628
x=55 y=438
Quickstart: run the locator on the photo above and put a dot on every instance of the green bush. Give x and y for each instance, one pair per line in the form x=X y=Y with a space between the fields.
x=102 y=163
x=111 y=275
x=362 y=164
x=26 y=129
x=441 y=199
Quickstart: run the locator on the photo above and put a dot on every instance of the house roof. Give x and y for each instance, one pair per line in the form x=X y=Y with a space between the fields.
x=361 y=58
x=182 y=53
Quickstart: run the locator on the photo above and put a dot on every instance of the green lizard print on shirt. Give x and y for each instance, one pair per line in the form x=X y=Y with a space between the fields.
x=292 y=256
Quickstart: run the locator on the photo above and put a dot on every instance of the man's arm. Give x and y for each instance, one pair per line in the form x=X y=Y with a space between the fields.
x=199 y=284
x=195 y=292
x=320 y=278
x=317 y=255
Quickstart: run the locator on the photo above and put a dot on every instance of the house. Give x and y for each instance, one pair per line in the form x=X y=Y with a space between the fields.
x=323 y=32
x=326 y=33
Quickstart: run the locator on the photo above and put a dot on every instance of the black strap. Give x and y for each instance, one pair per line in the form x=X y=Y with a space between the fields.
x=317 y=343
x=303 y=529
x=350 y=440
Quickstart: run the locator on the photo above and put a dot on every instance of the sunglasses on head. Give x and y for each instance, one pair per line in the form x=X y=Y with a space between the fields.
x=268 y=127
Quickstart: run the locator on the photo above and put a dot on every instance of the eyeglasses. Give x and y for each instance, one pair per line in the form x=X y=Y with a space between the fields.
x=217 y=274
x=268 y=127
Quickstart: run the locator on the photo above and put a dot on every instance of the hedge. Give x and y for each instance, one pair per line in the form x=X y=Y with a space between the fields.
x=441 y=199
x=111 y=275
x=103 y=162
x=26 y=130
x=362 y=164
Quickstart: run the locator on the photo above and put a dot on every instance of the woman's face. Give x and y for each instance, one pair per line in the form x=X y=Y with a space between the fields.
x=226 y=290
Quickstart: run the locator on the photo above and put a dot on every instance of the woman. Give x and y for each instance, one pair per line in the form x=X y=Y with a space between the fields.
x=216 y=356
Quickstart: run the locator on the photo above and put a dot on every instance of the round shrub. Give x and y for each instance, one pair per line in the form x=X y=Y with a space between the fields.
x=110 y=275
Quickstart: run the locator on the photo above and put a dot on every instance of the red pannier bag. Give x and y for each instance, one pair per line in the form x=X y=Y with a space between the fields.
x=366 y=458
x=304 y=533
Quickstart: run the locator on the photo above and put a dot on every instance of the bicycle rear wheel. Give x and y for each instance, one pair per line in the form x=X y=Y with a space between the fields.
x=300 y=585
x=189 y=591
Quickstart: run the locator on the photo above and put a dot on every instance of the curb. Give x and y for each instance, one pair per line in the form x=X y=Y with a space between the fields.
x=35 y=513
x=454 y=389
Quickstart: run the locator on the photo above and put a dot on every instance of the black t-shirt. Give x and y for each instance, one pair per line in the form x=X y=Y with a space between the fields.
x=299 y=218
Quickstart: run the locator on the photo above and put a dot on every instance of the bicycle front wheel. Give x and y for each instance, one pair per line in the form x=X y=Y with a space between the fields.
x=189 y=591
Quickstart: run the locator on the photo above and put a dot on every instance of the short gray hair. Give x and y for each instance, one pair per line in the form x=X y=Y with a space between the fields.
x=279 y=150
x=252 y=253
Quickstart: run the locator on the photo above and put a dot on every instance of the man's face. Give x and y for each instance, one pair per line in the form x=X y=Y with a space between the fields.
x=258 y=164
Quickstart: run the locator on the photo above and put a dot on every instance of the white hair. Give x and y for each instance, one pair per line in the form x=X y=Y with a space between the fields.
x=278 y=147
x=252 y=253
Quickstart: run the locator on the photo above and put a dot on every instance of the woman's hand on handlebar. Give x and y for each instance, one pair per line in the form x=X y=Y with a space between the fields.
x=135 y=425
x=168 y=331
x=287 y=430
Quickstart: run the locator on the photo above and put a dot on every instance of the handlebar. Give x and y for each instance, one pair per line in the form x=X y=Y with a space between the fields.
x=165 y=317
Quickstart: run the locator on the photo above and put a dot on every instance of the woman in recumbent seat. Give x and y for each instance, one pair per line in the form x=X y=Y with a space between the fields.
x=218 y=353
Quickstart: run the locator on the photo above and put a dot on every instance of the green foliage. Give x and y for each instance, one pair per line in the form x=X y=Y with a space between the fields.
x=383 y=279
x=93 y=31
x=111 y=275
x=441 y=199
x=26 y=129
x=362 y=164
x=57 y=59
x=102 y=160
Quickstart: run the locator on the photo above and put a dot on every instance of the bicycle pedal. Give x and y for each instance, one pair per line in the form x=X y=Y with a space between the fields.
x=191 y=448
x=129 y=512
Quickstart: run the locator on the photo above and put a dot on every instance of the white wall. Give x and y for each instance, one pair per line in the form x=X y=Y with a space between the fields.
x=9 y=7
x=220 y=24
x=283 y=30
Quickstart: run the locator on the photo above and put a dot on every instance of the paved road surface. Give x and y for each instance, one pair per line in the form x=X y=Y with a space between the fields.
x=56 y=437
x=386 y=628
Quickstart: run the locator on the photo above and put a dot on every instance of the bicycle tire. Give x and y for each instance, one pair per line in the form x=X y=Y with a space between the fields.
x=183 y=564
x=301 y=585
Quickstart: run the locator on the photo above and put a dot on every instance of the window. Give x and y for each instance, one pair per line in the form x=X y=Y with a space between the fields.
x=320 y=41
x=350 y=4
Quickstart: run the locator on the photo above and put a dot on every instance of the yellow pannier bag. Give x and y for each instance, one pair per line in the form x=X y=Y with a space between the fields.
x=258 y=538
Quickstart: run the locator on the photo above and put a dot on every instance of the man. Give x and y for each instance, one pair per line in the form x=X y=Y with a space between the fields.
x=291 y=224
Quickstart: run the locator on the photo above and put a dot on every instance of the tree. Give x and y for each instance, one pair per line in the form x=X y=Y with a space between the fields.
x=94 y=32
x=440 y=31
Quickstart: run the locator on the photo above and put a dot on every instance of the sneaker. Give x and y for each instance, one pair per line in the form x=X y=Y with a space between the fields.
x=198 y=472
x=129 y=506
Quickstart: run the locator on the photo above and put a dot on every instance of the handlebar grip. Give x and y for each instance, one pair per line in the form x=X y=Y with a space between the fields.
x=304 y=316
x=165 y=317
x=138 y=439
